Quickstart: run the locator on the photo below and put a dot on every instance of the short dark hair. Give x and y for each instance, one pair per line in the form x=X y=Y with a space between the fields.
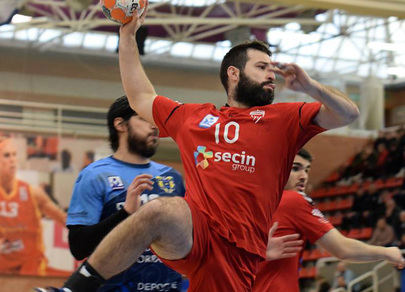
x=90 y=155
x=305 y=154
x=119 y=109
x=237 y=57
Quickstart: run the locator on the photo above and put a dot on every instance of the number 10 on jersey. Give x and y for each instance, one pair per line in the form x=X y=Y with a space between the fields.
x=228 y=128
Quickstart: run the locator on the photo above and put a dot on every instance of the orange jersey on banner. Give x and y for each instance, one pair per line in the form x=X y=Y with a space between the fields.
x=21 y=246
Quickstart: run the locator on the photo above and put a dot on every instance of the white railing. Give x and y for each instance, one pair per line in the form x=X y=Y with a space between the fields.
x=37 y=117
x=374 y=275
x=369 y=275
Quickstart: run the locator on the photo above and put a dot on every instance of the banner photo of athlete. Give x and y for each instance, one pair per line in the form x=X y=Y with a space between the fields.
x=37 y=174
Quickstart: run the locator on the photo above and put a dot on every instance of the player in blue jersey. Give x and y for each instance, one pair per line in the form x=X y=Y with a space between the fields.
x=106 y=193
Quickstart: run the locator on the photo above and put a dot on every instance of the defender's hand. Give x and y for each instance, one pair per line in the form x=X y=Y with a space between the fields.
x=139 y=184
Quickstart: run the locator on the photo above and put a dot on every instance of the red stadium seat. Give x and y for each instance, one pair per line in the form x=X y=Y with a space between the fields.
x=317 y=193
x=344 y=204
x=363 y=233
x=323 y=206
x=379 y=183
x=335 y=220
x=366 y=233
x=306 y=255
x=354 y=233
x=317 y=254
x=307 y=273
x=394 y=182
x=353 y=188
x=366 y=184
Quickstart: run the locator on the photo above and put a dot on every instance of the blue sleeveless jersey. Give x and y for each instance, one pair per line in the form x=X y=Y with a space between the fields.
x=100 y=191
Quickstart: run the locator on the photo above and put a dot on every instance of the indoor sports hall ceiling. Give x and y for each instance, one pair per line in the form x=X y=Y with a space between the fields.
x=360 y=38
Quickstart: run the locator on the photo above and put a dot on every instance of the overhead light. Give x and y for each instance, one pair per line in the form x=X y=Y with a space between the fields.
x=381 y=46
x=322 y=17
x=397 y=71
x=294 y=26
x=19 y=18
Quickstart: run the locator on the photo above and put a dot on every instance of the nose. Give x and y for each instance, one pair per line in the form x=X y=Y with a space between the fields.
x=270 y=75
x=303 y=175
x=155 y=130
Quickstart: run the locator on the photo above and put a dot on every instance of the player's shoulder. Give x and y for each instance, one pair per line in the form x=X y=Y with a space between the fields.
x=98 y=166
x=291 y=197
x=22 y=183
x=163 y=168
x=286 y=105
x=188 y=106
x=199 y=110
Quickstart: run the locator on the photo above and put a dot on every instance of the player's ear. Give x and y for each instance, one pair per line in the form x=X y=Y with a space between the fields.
x=233 y=73
x=120 y=124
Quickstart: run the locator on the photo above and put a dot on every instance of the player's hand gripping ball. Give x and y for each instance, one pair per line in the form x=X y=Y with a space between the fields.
x=121 y=11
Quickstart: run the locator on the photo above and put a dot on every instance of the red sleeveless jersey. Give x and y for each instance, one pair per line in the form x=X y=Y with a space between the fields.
x=237 y=161
x=21 y=248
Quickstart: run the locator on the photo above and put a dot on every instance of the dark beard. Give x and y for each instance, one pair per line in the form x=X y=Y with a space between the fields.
x=251 y=93
x=140 y=147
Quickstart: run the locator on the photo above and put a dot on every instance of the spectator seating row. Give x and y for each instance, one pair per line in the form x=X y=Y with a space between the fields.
x=342 y=190
x=334 y=205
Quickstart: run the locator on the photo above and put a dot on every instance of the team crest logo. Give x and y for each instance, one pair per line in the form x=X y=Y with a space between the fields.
x=115 y=182
x=208 y=121
x=201 y=157
x=257 y=115
x=166 y=183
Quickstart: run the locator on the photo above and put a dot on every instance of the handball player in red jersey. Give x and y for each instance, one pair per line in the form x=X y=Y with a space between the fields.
x=297 y=214
x=237 y=160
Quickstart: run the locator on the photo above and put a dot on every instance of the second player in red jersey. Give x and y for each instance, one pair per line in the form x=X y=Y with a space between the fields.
x=297 y=214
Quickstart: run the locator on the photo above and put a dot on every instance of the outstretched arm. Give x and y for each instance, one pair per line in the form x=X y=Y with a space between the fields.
x=138 y=88
x=353 y=250
x=337 y=109
x=47 y=207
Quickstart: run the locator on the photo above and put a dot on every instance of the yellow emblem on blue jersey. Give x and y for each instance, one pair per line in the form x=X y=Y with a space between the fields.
x=166 y=183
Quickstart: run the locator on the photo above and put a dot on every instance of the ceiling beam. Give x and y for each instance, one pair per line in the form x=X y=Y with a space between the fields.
x=360 y=7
